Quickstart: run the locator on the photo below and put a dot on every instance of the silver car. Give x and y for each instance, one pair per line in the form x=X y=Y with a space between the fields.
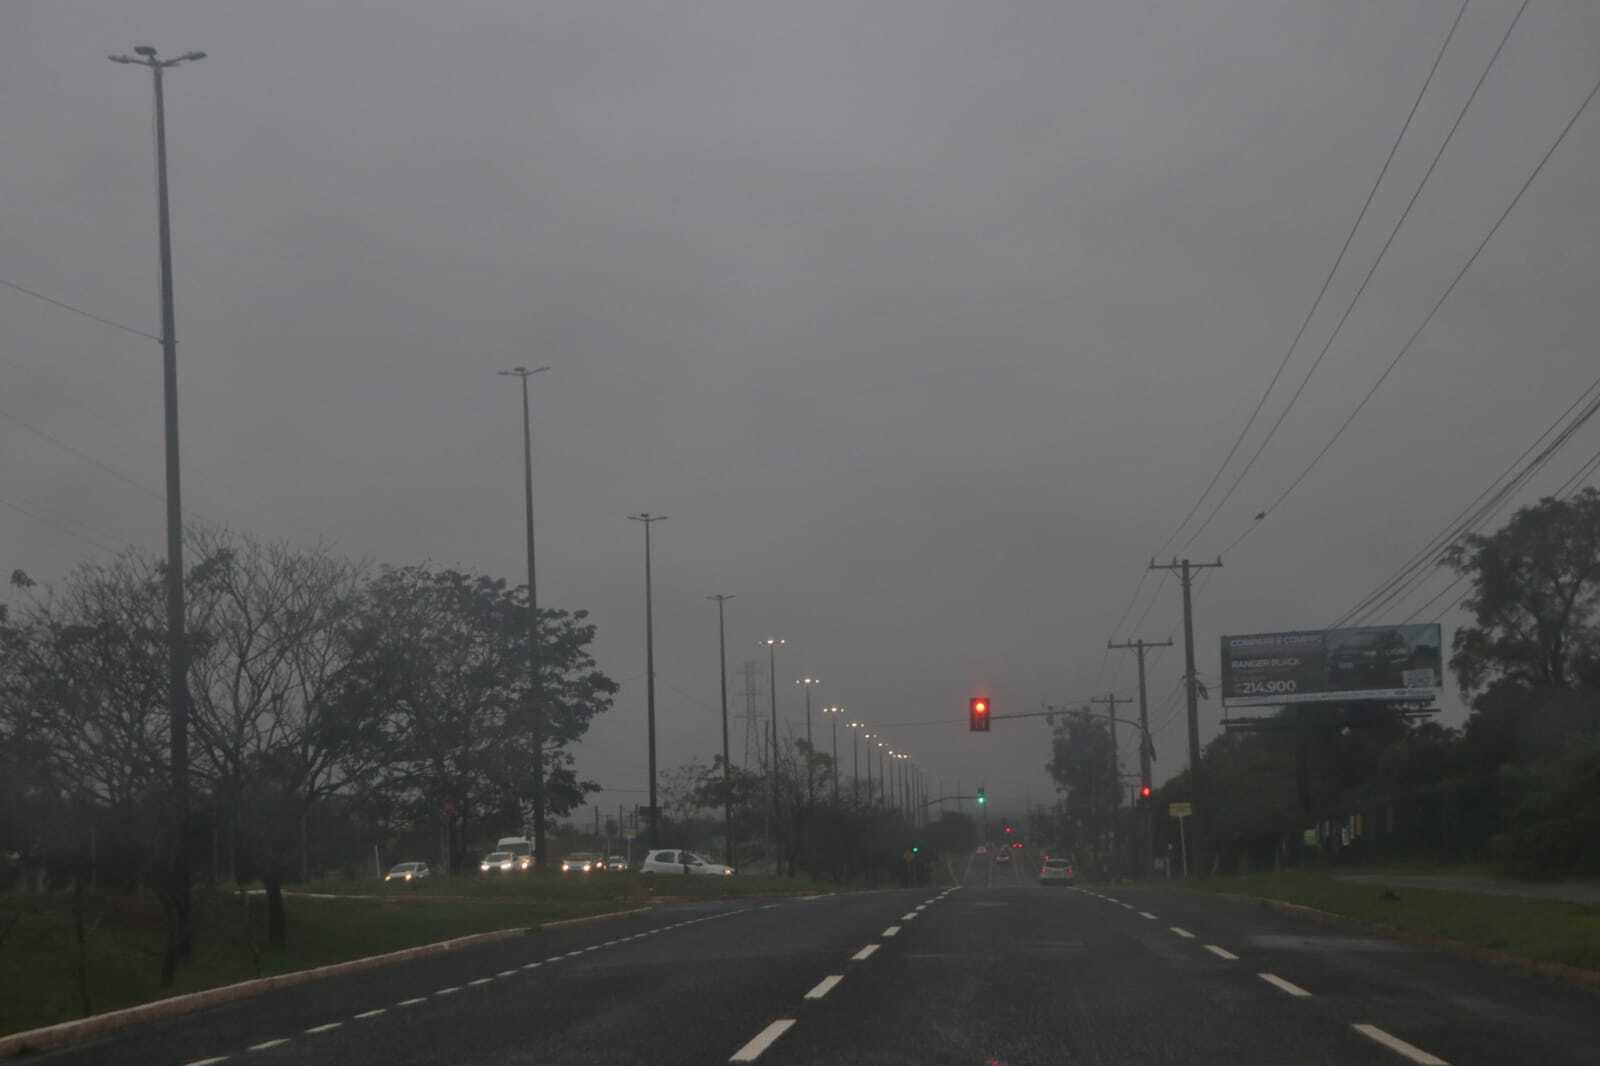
x=673 y=861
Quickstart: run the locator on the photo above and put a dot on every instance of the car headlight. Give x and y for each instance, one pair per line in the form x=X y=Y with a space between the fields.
x=387 y=876
x=484 y=867
x=408 y=877
x=565 y=868
x=585 y=867
x=727 y=871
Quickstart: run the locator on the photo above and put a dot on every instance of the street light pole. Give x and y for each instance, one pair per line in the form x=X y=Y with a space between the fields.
x=833 y=714
x=727 y=772
x=806 y=683
x=772 y=685
x=535 y=702
x=855 y=761
x=869 y=737
x=648 y=519
x=182 y=946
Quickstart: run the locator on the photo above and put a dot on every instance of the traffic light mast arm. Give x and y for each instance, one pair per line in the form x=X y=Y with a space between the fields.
x=1053 y=713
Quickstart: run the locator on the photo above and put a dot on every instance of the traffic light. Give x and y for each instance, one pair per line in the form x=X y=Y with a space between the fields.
x=1144 y=792
x=983 y=797
x=1008 y=829
x=916 y=849
x=978 y=714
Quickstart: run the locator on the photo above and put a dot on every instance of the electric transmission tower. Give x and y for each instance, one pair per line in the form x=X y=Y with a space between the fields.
x=752 y=714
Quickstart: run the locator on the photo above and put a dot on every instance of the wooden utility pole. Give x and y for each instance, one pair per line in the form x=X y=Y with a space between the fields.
x=1202 y=836
x=1146 y=749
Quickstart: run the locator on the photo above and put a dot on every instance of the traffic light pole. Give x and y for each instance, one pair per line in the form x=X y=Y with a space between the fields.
x=1202 y=836
x=1145 y=751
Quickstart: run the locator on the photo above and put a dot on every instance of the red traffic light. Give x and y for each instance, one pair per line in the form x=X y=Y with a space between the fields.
x=978 y=714
x=1144 y=792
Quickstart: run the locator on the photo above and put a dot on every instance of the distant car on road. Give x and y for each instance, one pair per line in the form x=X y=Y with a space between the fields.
x=521 y=849
x=498 y=862
x=582 y=862
x=1003 y=856
x=983 y=849
x=617 y=863
x=407 y=871
x=1057 y=871
x=673 y=861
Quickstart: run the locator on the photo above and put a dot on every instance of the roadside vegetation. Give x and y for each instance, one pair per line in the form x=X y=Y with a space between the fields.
x=1533 y=929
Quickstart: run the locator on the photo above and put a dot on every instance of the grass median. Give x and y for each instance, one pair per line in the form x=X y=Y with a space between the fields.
x=39 y=971
x=1537 y=930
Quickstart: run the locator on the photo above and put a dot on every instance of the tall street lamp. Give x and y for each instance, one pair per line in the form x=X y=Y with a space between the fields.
x=727 y=771
x=177 y=656
x=773 y=643
x=833 y=714
x=649 y=520
x=806 y=683
x=870 y=738
x=535 y=701
x=855 y=760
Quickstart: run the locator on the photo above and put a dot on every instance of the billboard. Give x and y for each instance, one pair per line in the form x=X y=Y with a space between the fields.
x=1393 y=663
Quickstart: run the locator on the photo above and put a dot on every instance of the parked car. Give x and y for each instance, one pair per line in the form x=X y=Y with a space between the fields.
x=617 y=863
x=498 y=862
x=1002 y=855
x=1057 y=871
x=582 y=862
x=673 y=861
x=407 y=871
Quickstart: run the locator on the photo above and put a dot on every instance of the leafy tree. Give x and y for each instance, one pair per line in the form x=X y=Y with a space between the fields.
x=1080 y=764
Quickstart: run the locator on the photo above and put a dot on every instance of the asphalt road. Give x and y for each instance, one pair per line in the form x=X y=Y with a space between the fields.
x=998 y=971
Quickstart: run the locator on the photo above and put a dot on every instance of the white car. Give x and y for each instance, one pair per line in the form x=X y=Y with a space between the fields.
x=407 y=871
x=672 y=861
x=1057 y=871
x=582 y=862
x=498 y=861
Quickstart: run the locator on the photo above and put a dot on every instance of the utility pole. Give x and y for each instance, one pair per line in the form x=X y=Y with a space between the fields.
x=648 y=519
x=1138 y=646
x=535 y=703
x=753 y=745
x=1202 y=836
x=722 y=675
x=1111 y=700
x=181 y=946
x=772 y=691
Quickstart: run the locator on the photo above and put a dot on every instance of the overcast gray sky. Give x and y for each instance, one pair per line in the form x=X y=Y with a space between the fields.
x=923 y=320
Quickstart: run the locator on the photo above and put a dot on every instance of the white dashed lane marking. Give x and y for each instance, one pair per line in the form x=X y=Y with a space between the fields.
x=762 y=1040
x=825 y=986
x=315 y=1029
x=450 y=991
x=265 y=1044
x=1394 y=1043
x=1287 y=986
x=411 y=1002
x=207 y=1062
x=891 y=931
x=1182 y=932
x=1147 y=914
x=908 y=916
x=1222 y=953
x=864 y=954
x=480 y=981
x=509 y=973
x=373 y=1013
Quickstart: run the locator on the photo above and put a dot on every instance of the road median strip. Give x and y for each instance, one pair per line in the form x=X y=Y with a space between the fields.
x=81 y=1029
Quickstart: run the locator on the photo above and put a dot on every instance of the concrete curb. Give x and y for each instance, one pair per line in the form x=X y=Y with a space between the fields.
x=74 y=1032
x=1554 y=970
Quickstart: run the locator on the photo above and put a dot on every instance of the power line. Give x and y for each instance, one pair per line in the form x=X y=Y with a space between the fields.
x=1481 y=508
x=1321 y=292
x=1371 y=270
x=1401 y=354
x=63 y=526
x=79 y=311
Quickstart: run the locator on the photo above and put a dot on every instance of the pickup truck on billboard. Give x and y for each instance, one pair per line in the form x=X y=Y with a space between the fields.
x=1387 y=663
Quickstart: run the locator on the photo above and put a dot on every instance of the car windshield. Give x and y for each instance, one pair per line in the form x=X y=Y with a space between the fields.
x=580 y=856
x=498 y=856
x=402 y=868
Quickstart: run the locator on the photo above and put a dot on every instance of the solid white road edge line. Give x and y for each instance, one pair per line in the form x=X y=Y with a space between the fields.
x=864 y=954
x=207 y=1062
x=1287 y=986
x=449 y=990
x=322 y=1028
x=1181 y=932
x=411 y=1002
x=373 y=1013
x=825 y=986
x=763 y=1040
x=891 y=931
x=1394 y=1043
x=480 y=981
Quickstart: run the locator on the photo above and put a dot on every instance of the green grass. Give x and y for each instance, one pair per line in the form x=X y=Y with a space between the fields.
x=1534 y=929
x=38 y=984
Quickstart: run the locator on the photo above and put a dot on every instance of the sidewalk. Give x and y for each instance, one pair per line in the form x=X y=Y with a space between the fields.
x=1584 y=892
